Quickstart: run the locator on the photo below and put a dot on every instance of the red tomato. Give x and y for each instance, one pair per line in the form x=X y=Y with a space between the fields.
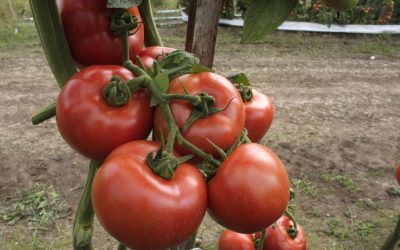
x=250 y=190
x=398 y=174
x=143 y=210
x=222 y=128
x=259 y=115
x=152 y=53
x=86 y=25
x=278 y=238
x=89 y=124
x=231 y=240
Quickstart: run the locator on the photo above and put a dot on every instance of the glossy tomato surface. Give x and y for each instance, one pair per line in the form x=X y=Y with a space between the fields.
x=222 y=128
x=92 y=127
x=150 y=54
x=86 y=25
x=250 y=190
x=143 y=210
x=259 y=115
x=278 y=238
x=231 y=240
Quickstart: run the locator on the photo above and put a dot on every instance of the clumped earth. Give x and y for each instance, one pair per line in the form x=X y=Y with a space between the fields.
x=336 y=130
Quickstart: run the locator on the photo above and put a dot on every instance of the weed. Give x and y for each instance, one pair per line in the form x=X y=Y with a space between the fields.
x=347 y=183
x=37 y=207
x=337 y=228
x=305 y=185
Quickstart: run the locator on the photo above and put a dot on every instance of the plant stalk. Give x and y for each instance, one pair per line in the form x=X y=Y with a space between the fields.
x=262 y=239
x=151 y=35
x=393 y=238
x=83 y=224
x=52 y=37
x=44 y=114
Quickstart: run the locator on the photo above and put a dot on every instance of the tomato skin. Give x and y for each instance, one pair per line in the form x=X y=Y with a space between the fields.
x=398 y=174
x=86 y=25
x=340 y=5
x=250 y=190
x=222 y=128
x=143 y=210
x=152 y=53
x=92 y=127
x=278 y=238
x=259 y=115
x=231 y=240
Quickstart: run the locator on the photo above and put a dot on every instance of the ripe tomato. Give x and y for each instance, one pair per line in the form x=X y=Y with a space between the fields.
x=222 y=128
x=89 y=124
x=398 y=174
x=152 y=53
x=231 y=240
x=340 y=5
x=278 y=238
x=86 y=25
x=143 y=210
x=250 y=190
x=259 y=115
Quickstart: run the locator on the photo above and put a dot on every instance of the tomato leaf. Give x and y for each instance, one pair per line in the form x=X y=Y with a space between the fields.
x=264 y=16
x=198 y=68
x=162 y=81
x=123 y=3
x=239 y=78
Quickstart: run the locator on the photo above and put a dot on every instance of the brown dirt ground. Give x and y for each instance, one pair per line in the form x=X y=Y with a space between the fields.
x=336 y=130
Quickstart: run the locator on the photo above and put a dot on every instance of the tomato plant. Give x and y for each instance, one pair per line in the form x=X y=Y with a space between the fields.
x=259 y=115
x=231 y=240
x=152 y=53
x=250 y=190
x=278 y=237
x=87 y=28
x=150 y=212
x=341 y=5
x=222 y=128
x=91 y=126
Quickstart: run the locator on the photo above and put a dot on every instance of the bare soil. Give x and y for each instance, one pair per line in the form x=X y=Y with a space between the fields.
x=336 y=129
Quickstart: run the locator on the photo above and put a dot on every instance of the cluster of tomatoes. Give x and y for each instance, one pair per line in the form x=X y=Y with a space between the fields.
x=153 y=194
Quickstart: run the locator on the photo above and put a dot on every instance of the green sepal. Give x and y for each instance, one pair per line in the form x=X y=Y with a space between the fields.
x=123 y=3
x=198 y=68
x=162 y=81
x=239 y=78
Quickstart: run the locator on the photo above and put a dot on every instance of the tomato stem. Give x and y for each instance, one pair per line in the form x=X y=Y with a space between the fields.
x=151 y=35
x=44 y=114
x=292 y=230
x=262 y=239
x=52 y=37
x=393 y=238
x=83 y=224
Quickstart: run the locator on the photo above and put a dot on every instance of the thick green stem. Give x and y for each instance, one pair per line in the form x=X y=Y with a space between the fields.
x=51 y=33
x=262 y=239
x=44 y=114
x=83 y=225
x=151 y=35
x=393 y=238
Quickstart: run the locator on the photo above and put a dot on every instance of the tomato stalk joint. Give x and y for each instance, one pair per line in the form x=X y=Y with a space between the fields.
x=122 y=21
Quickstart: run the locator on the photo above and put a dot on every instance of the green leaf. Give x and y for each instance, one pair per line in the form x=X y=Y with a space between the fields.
x=124 y=4
x=162 y=81
x=198 y=68
x=239 y=78
x=264 y=16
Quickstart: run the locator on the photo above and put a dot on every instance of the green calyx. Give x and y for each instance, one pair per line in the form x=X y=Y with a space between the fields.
x=116 y=92
x=202 y=109
x=245 y=92
x=164 y=163
x=122 y=21
x=292 y=232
